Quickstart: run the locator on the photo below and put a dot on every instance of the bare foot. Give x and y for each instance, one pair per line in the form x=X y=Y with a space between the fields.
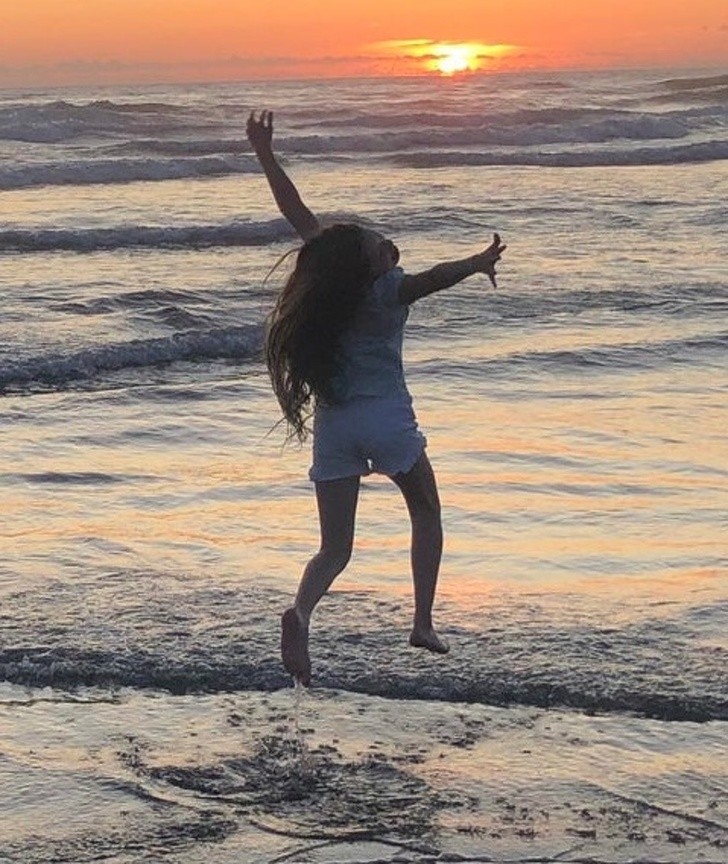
x=294 y=647
x=428 y=639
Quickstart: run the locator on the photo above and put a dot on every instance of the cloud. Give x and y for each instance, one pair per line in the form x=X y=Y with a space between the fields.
x=402 y=44
x=431 y=49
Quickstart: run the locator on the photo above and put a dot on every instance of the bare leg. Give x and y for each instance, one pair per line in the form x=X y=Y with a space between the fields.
x=420 y=493
x=337 y=500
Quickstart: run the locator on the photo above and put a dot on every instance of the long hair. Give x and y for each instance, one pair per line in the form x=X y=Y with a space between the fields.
x=316 y=306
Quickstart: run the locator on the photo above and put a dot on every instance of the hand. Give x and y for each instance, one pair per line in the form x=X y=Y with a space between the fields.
x=260 y=131
x=486 y=261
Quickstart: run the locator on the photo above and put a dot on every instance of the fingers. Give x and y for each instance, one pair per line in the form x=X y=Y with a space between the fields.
x=265 y=121
x=252 y=125
x=496 y=248
x=496 y=245
x=492 y=255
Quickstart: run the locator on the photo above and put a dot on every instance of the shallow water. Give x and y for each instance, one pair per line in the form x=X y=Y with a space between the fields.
x=132 y=775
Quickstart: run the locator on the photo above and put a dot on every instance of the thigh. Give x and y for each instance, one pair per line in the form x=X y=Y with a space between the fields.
x=337 y=500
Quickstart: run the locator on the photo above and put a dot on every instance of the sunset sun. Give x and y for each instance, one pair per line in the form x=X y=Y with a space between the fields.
x=450 y=59
x=446 y=58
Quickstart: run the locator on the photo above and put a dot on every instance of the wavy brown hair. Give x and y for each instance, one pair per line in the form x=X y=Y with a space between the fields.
x=316 y=305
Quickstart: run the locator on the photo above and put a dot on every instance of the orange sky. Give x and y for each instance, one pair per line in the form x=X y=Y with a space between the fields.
x=100 y=41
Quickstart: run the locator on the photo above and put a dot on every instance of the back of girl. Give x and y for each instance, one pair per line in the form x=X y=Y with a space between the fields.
x=334 y=352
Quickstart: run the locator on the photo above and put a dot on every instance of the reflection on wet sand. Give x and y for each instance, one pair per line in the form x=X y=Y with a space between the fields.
x=379 y=778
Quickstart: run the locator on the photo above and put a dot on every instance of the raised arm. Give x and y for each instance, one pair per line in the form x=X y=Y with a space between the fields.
x=260 y=135
x=450 y=273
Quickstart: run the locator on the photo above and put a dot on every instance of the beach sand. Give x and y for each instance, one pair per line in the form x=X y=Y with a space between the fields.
x=330 y=776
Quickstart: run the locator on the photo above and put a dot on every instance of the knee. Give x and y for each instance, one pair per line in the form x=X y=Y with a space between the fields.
x=335 y=557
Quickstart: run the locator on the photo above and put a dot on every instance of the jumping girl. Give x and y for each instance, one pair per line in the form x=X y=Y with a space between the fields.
x=334 y=350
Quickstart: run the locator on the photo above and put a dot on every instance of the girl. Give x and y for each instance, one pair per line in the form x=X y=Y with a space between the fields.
x=334 y=349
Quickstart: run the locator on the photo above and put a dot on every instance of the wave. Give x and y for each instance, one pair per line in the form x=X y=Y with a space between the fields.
x=628 y=357
x=712 y=90
x=704 y=82
x=55 y=370
x=695 y=97
x=122 y=142
x=709 y=151
x=405 y=149
x=59 y=121
x=185 y=147
x=151 y=298
x=700 y=300
x=61 y=478
x=237 y=233
x=525 y=126
x=130 y=634
x=69 y=668
x=704 y=350
x=534 y=129
x=92 y=171
x=160 y=127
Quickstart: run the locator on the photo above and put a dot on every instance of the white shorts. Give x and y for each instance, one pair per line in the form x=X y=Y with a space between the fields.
x=365 y=435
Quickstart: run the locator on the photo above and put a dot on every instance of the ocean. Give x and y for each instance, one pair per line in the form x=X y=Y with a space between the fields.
x=155 y=522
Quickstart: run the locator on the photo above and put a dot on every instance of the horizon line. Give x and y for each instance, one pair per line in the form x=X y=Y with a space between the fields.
x=420 y=75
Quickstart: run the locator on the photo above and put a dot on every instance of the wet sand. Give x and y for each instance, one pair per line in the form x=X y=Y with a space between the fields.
x=329 y=776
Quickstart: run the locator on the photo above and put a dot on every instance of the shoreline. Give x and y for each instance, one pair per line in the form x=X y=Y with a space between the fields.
x=130 y=631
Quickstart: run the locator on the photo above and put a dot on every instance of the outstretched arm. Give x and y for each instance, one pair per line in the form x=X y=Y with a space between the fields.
x=260 y=135
x=450 y=273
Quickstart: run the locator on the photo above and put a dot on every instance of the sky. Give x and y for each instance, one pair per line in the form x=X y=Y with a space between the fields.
x=62 y=42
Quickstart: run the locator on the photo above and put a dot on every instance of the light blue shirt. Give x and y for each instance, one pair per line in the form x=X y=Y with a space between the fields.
x=371 y=350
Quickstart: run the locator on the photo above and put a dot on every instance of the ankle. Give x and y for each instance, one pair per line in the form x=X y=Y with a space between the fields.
x=423 y=626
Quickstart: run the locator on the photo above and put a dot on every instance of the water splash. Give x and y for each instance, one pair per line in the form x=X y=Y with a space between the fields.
x=306 y=763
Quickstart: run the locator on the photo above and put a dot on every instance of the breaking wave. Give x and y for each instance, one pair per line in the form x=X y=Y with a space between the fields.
x=501 y=656
x=54 y=370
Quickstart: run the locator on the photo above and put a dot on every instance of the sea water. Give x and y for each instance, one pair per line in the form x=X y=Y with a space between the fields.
x=155 y=523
